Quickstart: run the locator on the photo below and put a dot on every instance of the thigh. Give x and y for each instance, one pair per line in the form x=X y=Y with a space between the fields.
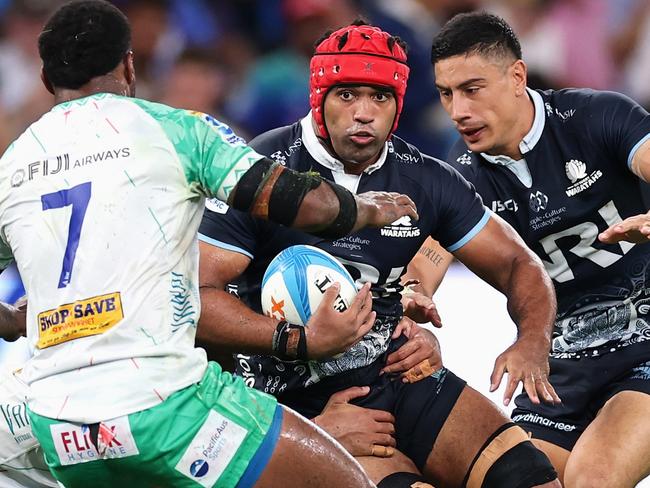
x=307 y=457
x=616 y=446
x=421 y=409
x=469 y=425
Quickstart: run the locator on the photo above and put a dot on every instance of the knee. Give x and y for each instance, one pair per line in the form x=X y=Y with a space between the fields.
x=577 y=479
x=594 y=475
x=508 y=458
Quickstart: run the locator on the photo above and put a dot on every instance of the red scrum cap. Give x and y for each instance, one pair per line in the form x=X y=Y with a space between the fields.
x=360 y=54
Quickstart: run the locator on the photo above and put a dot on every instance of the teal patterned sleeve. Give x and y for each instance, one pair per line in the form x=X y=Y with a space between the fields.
x=6 y=257
x=213 y=157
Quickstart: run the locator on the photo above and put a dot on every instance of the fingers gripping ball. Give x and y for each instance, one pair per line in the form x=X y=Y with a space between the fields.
x=296 y=279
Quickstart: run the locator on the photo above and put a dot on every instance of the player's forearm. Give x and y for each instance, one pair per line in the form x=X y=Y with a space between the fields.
x=319 y=208
x=301 y=200
x=230 y=326
x=531 y=300
x=428 y=267
x=12 y=322
x=307 y=202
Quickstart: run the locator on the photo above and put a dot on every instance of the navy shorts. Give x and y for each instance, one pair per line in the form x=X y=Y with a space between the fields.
x=420 y=409
x=584 y=385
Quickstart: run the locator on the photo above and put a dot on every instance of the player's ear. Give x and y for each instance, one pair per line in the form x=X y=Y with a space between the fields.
x=129 y=67
x=46 y=81
x=519 y=73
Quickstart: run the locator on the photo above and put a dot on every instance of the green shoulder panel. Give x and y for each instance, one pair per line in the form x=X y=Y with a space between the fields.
x=212 y=155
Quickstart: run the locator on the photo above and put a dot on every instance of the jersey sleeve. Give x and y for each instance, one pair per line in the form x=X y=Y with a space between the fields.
x=624 y=124
x=228 y=229
x=462 y=214
x=213 y=157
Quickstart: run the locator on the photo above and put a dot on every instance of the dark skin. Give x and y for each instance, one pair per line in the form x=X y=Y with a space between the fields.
x=12 y=322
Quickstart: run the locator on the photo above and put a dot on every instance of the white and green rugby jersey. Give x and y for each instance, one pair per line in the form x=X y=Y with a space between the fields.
x=100 y=202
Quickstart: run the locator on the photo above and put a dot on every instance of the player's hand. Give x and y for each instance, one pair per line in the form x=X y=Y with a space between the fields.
x=418 y=357
x=380 y=208
x=421 y=309
x=362 y=431
x=330 y=332
x=526 y=361
x=633 y=229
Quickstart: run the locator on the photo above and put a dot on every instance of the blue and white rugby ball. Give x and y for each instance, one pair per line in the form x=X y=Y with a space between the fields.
x=296 y=279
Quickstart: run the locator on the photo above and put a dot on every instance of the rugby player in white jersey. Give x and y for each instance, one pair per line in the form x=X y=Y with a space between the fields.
x=100 y=201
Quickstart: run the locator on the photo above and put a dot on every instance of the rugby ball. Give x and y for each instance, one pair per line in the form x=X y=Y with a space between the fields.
x=296 y=279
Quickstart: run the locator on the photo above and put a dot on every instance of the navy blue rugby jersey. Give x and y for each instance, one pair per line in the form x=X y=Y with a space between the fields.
x=578 y=154
x=449 y=209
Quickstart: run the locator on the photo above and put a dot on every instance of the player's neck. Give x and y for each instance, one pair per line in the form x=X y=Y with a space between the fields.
x=520 y=127
x=523 y=125
x=99 y=84
x=357 y=168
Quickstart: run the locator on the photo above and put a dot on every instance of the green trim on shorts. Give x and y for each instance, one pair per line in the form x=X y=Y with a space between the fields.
x=203 y=435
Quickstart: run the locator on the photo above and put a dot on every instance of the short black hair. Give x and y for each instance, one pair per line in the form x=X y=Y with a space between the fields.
x=82 y=40
x=475 y=33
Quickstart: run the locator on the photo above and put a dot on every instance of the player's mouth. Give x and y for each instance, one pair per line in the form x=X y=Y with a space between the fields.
x=362 y=138
x=473 y=134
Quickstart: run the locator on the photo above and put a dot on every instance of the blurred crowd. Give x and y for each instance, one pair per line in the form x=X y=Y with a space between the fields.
x=247 y=61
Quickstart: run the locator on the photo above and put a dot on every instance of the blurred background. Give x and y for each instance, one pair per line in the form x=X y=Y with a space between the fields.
x=247 y=63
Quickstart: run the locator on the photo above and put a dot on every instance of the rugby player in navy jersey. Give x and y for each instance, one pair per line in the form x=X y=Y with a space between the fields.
x=563 y=168
x=451 y=434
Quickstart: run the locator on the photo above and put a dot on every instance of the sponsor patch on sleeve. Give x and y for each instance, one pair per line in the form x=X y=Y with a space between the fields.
x=211 y=450
x=226 y=134
x=81 y=318
x=216 y=205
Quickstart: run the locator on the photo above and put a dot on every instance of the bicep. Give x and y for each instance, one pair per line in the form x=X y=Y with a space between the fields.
x=429 y=266
x=218 y=266
x=492 y=253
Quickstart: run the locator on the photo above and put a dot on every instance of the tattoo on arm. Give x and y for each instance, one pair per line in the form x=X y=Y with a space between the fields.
x=432 y=255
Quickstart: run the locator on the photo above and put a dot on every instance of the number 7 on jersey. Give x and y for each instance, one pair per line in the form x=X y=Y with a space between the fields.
x=77 y=196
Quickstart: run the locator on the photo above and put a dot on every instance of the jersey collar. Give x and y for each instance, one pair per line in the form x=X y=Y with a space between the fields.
x=534 y=134
x=320 y=154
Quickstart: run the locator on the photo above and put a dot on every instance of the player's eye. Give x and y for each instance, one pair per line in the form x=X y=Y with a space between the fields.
x=382 y=96
x=346 y=95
